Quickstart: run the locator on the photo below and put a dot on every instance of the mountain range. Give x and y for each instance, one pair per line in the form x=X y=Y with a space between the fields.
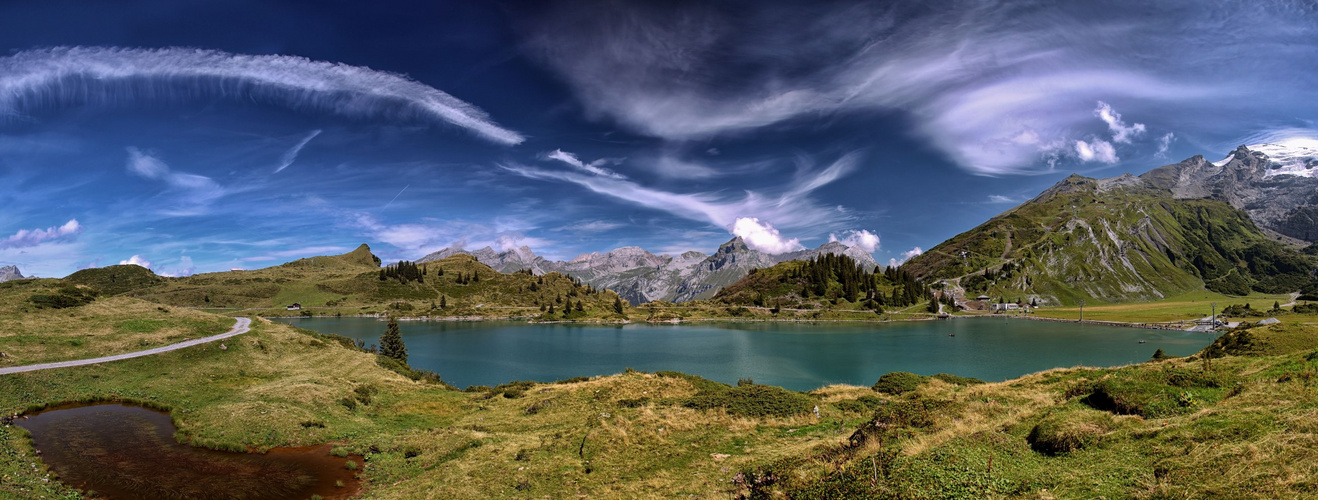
x=640 y=276
x=1231 y=227
x=8 y=273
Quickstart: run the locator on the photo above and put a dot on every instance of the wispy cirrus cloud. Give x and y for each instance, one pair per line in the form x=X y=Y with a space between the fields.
x=106 y=75
x=594 y=167
x=196 y=191
x=33 y=237
x=791 y=208
x=999 y=87
x=290 y=156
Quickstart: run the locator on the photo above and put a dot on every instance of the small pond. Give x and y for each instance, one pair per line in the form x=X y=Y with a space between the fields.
x=125 y=452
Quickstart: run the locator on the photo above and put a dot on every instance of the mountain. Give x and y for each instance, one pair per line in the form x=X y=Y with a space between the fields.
x=1276 y=184
x=1126 y=238
x=9 y=273
x=640 y=276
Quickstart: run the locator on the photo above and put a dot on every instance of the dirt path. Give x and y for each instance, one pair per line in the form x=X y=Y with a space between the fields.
x=1294 y=296
x=239 y=328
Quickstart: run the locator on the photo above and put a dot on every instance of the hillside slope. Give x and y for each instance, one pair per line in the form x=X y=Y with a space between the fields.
x=1118 y=239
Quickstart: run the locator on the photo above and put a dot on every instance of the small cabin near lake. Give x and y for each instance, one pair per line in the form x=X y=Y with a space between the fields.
x=294 y=307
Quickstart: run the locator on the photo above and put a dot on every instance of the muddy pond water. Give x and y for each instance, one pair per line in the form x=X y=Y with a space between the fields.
x=127 y=452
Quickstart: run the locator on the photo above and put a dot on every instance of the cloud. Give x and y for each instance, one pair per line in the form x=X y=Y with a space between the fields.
x=1121 y=133
x=677 y=168
x=197 y=189
x=999 y=87
x=137 y=260
x=997 y=198
x=33 y=237
x=298 y=253
x=792 y=208
x=595 y=226
x=862 y=239
x=592 y=167
x=102 y=75
x=1164 y=143
x=290 y=156
x=907 y=255
x=763 y=237
x=1096 y=150
x=185 y=267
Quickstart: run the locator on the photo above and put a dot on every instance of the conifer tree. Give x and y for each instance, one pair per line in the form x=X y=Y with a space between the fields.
x=617 y=305
x=391 y=343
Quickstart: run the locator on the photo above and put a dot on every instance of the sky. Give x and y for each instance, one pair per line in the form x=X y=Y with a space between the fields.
x=205 y=136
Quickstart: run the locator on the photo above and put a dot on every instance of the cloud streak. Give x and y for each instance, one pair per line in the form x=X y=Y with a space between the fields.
x=290 y=156
x=592 y=167
x=104 y=75
x=792 y=209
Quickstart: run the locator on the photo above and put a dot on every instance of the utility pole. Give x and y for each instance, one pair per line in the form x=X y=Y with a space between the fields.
x=1213 y=325
x=1082 y=310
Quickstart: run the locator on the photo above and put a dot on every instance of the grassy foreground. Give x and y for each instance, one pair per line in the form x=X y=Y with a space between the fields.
x=1241 y=425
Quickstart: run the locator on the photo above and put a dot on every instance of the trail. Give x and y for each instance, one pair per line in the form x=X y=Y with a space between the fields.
x=239 y=328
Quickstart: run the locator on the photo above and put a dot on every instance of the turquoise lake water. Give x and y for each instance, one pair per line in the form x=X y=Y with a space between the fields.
x=799 y=356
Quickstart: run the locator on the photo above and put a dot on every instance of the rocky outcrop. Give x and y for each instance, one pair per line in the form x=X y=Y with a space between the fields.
x=9 y=273
x=1272 y=187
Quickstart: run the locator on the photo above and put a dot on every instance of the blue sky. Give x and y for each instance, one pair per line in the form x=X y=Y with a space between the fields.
x=203 y=136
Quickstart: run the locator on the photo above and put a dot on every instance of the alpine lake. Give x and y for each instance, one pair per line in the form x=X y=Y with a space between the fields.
x=792 y=355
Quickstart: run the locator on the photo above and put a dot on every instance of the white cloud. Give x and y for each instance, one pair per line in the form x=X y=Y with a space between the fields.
x=1096 y=150
x=990 y=84
x=185 y=267
x=907 y=255
x=862 y=239
x=997 y=198
x=595 y=226
x=298 y=253
x=137 y=260
x=677 y=168
x=1121 y=133
x=592 y=167
x=791 y=209
x=763 y=237
x=1164 y=143
x=197 y=189
x=106 y=74
x=32 y=237
x=290 y=156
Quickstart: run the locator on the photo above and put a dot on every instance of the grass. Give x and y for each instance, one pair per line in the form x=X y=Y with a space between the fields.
x=106 y=326
x=1185 y=307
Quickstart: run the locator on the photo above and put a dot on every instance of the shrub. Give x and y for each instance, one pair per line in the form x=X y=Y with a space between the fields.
x=65 y=297
x=701 y=384
x=1067 y=431
x=898 y=383
x=753 y=401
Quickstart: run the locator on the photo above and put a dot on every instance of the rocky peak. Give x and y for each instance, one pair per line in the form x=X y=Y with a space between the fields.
x=8 y=273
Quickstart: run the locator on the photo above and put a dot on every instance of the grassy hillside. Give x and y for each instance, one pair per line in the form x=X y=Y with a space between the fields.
x=352 y=283
x=77 y=324
x=1115 y=240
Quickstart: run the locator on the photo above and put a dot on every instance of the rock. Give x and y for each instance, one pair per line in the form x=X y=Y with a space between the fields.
x=1270 y=321
x=8 y=273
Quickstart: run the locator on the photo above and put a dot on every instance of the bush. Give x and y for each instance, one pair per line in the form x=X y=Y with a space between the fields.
x=701 y=384
x=753 y=401
x=1069 y=431
x=65 y=297
x=896 y=383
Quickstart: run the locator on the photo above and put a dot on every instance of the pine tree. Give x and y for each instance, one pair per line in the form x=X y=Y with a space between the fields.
x=391 y=343
x=933 y=306
x=617 y=305
x=443 y=302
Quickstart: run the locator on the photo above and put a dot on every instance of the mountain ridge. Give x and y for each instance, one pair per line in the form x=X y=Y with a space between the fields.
x=640 y=276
